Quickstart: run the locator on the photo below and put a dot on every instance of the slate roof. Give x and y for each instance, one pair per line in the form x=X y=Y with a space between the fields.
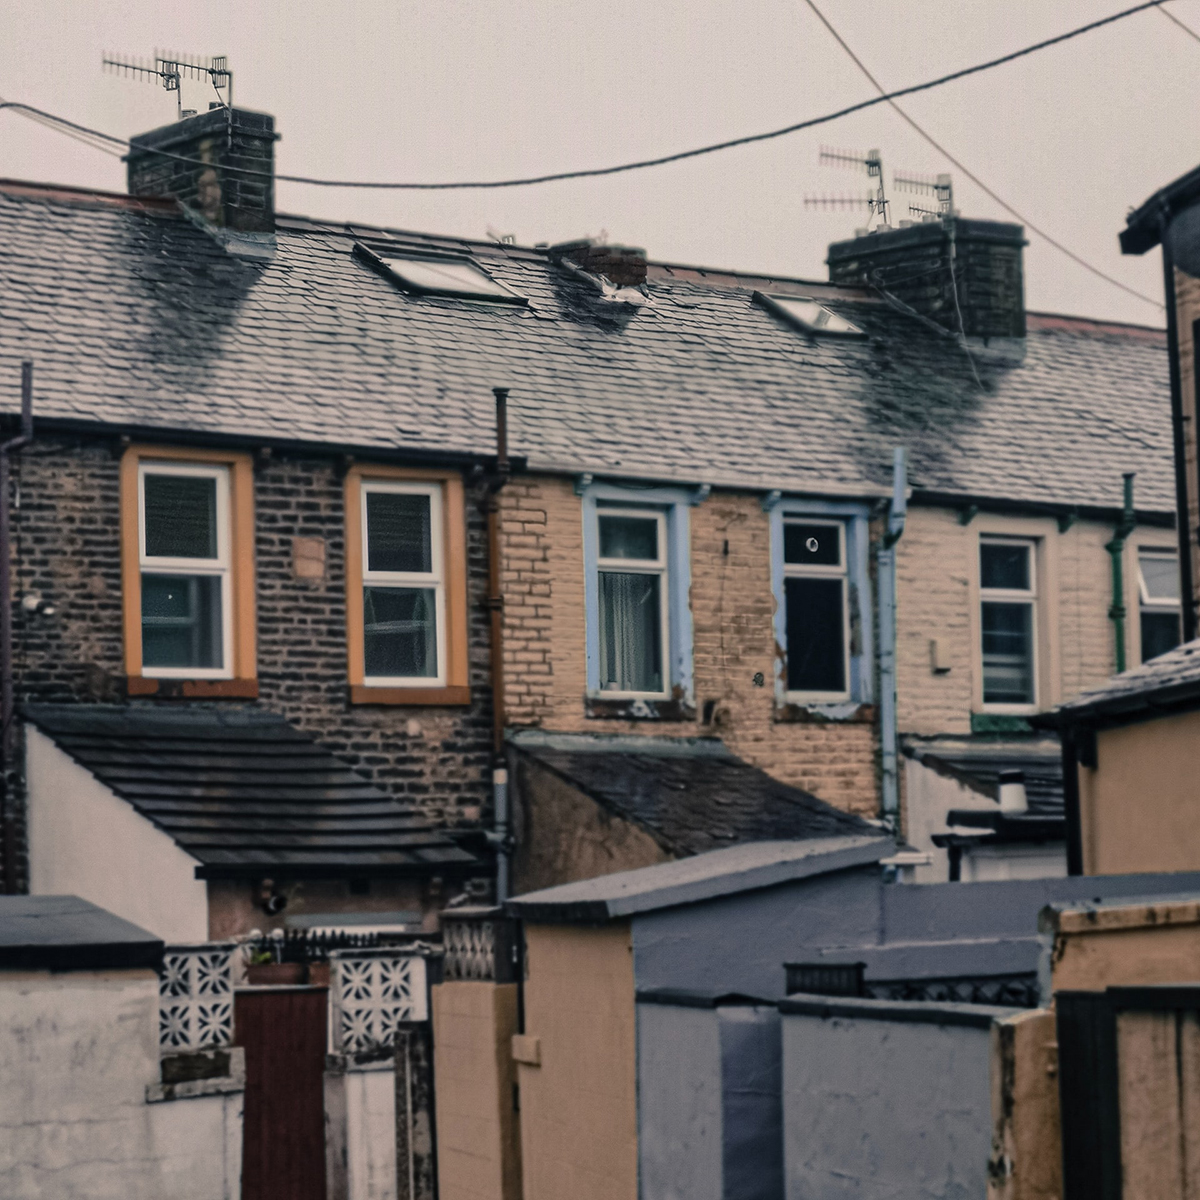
x=136 y=317
x=701 y=877
x=245 y=793
x=978 y=764
x=1166 y=683
x=65 y=933
x=690 y=794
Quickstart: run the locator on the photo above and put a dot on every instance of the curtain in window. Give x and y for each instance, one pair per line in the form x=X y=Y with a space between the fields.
x=630 y=632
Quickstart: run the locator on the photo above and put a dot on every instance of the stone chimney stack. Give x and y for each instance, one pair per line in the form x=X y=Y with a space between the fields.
x=219 y=141
x=623 y=266
x=913 y=264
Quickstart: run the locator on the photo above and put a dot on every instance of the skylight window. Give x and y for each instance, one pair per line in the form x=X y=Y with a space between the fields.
x=810 y=316
x=423 y=275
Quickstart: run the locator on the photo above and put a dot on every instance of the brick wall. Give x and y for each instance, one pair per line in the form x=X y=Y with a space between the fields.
x=67 y=547
x=734 y=639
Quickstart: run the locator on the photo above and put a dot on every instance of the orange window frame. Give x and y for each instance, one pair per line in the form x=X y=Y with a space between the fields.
x=244 y=683
x=456 y=689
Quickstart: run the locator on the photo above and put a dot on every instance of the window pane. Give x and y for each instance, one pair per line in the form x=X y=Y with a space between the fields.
x=181 y=516
x=1002 y=566
x=1160 y=633
x=181 y=621
x=1160 y=574
x=400 y=632
x=816 y=544
x=631 y=632
x=398 y=532
x=816 y=635
x=629 y=537
x=1008 y=653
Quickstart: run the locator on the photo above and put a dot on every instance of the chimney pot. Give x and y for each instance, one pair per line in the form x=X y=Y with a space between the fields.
x=1013 y=798
x=217 y=142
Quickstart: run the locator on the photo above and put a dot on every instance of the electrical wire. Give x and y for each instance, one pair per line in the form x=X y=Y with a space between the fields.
x=958 y=163
x=1186 y=28
x=641 y=164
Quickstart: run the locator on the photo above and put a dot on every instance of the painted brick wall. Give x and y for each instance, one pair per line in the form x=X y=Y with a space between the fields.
x=732 y=610
x=67 y=547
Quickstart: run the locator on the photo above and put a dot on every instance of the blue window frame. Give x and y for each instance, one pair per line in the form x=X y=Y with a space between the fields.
x=820 y=576
x=637 y=582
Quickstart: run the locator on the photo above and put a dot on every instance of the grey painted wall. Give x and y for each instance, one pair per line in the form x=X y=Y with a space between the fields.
x=885 y=1110
x=709 y=1102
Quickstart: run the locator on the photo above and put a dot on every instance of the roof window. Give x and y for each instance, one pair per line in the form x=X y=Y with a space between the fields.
x=430 y=275
x=807 y=314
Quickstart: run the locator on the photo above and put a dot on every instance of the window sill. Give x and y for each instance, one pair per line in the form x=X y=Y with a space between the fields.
x=192 y=689
x=638 y=709
x=992 y=722
x=362 y=694
x=836 y=712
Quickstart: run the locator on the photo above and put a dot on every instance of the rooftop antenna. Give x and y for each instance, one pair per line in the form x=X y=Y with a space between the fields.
x=171 y=69
x=940 y=187
x=875 y=201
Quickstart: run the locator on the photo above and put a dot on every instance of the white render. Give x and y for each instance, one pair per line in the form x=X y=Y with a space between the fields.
x=78 y=1050
x=360 y=1129
x=85 y=841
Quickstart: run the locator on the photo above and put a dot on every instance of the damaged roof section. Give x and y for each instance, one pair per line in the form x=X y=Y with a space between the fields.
x=245 y=793
x=690 y=794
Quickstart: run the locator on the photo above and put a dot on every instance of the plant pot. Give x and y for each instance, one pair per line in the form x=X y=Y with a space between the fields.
x=274 y=974
x=318 y=974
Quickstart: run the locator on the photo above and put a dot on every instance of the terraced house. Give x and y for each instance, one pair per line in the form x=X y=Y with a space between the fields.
x=261 y=641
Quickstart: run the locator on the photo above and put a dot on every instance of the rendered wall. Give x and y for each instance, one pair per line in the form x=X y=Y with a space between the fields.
x=579 y=1106
x=879 y=1109
x=86 y=841
x=478 y=1134
x=77 y=1051
x=360 y=1130
x=1138 y=807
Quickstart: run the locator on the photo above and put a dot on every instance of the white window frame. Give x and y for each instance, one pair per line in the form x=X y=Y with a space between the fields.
x=815 y=571
x=1147 y=603
x=640 y=566
x=221 y=566
x=1011 y=596
x=435 y=578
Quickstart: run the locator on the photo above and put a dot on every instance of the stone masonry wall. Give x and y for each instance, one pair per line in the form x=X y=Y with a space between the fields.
x=732 y=610
x=67 y=547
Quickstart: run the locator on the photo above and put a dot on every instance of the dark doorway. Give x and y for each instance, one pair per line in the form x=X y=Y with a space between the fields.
x=283 y=1030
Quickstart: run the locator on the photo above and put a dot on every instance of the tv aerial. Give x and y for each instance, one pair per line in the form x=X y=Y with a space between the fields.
x=940 y=187
x=171 y=69
x=875 y=201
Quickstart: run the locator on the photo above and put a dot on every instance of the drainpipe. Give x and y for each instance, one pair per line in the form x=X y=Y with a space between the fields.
x=499 y=837
x=8 y=820
x=1116 y=549
x=887 y=640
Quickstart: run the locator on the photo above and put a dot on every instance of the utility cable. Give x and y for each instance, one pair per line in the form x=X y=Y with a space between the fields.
x=1008 y=208
x=641 y=164
x=1186 y=28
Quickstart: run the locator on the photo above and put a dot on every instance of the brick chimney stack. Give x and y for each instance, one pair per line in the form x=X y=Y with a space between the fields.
x=913 y=264
x=623 y=266
x=220 y=140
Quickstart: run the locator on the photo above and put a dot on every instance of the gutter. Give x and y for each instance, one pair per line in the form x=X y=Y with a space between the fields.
x=8 y=819
x=888 y=737
x=1116 y=549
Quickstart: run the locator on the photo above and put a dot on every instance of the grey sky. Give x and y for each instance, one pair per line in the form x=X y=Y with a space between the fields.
x=400 y=89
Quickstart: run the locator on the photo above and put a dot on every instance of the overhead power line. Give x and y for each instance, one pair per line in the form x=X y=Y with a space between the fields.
x=1008 y=208
x=641 y=164
x=1186 y=28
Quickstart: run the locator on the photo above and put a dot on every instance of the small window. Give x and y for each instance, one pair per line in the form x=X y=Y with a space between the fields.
x=403 y=592
x=816 y=595
x=632 y=593
x=1008 y=595
x=185 y=566
x=445 y=276
x=1158 y=587
x=807 y=314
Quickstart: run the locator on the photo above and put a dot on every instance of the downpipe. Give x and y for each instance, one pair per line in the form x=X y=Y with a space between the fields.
x=888 y=737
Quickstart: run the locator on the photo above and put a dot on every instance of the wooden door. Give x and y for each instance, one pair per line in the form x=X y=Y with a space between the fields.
x=283 y=1030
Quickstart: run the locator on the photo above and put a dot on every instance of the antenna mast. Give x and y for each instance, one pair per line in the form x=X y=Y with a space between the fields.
x=171 y=69
x=940 y=187
x=875 y=201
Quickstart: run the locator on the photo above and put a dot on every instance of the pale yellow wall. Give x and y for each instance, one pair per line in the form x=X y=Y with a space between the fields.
x=579 y=1107
x=938 y=597
x=1140 y=806
x=479 y=1153
x=1026 y=1162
